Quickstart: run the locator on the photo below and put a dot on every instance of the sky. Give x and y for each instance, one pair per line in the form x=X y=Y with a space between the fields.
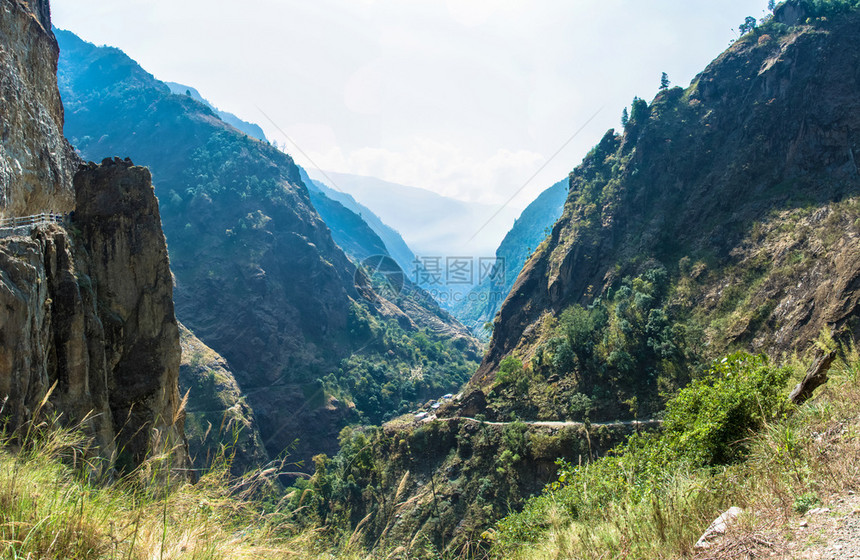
x=473 y=99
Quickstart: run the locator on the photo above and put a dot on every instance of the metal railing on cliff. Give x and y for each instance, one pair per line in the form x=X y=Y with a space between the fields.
x=23 y=225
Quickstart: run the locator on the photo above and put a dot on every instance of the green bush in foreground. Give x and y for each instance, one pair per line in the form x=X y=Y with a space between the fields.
x=705 y=426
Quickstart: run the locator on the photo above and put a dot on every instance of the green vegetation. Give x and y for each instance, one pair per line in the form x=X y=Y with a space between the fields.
x=641 y=497
x=434 y=488
x=748 y=26
x=396 y=370
x=728 y=439
x=827 y=8
x=621 y=356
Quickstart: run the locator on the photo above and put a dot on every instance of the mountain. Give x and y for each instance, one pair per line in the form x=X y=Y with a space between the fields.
x=480 y=305
x=720 y=218
x=251 y=129
x=619 y=408
x=395 y=246
x=88 y=335
x=723 y=217
x=313 y=342
x=348 y=229
x=432 y=225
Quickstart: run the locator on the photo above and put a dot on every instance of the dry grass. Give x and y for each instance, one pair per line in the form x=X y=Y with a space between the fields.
x=54 y=504
x=810 y=454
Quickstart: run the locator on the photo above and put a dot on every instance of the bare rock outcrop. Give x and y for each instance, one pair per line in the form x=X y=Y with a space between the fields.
x=86 y=311
x=36 y=161
x=92 y=314
x=118 y=217
x=50 y=332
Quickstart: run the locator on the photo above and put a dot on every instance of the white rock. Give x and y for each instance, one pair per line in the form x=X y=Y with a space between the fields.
x=719 y=526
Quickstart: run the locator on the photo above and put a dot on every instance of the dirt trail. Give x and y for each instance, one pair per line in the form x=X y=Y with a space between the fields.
x=639 y=424
x=830 y=531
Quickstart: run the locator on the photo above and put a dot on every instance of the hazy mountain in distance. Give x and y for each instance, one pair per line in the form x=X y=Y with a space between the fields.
x=529 y=230
x=348 y=229
x=431 y=224
x=248 y=128
x=394 y=243
x=259 y=278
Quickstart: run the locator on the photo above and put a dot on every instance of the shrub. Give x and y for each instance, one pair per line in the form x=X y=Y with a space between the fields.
x=706 y=425
x=510 y=370
x=708 y=421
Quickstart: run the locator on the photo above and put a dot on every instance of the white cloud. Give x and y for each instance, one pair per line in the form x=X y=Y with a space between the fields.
x=464 y=97
x=442 y=167
x=472 y=13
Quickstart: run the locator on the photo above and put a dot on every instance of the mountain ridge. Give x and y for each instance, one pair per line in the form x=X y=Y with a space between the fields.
x=450 y=222
x=705 y=215
x=395 y=246
x=259 y=278
x=251 y=129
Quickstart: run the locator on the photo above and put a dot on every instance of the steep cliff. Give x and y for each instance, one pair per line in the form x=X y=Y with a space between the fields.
x=723 y=217
x=36 y=162
x=91 y=310
x=126 y=258
x=87 y=305
x=314 y=343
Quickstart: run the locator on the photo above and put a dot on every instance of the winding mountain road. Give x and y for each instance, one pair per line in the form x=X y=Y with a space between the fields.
x=638 y=424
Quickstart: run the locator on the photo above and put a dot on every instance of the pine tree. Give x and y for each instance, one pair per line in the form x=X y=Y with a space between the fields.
x=749 y=25
x=639 y=113
x=625 y=117
x=664 y=81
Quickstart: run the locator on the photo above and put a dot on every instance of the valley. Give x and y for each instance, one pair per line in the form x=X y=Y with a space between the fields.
x=210 y=349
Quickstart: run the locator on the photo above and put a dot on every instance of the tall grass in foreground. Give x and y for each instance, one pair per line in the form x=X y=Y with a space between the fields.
x=656 y=496
x=55 y=505
x=727 y=441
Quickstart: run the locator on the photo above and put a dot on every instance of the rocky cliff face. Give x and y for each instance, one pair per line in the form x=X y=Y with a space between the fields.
x=36 y=162
x=313 y=342
x=742 y=187
x=92 y=312
x=51 y=333
x=126 y=254
x=86 y=309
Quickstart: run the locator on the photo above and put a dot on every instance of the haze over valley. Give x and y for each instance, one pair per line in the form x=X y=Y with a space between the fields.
x=429 y=280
